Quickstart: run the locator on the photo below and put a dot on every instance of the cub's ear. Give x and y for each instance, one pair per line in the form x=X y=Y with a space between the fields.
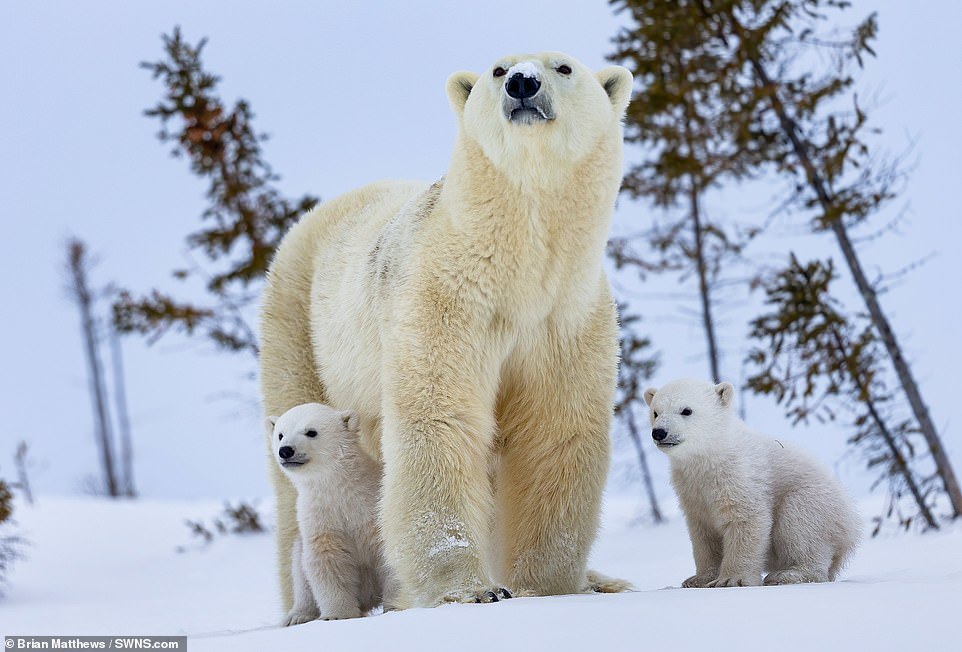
x=269 y=423
x=616 y=80
x=352 y=422
x=726 y=393
x=458 y=88
x=649 y=394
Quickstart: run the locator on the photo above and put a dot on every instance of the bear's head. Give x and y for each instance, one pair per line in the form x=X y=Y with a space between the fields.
x=689 y=415
x=541 y=108
x=307 y=436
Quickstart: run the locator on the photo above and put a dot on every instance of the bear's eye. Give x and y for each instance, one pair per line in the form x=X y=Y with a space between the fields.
x=280 y=436
x=686 y=412
x=564 y=69
x=500 y=72
x=656 y=414
x=311 y=433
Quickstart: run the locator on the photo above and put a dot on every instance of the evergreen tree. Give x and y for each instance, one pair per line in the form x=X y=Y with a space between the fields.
x=693 y=135
x=791 y=111
x=246 y=216
x=821 y=365
x=637 y=364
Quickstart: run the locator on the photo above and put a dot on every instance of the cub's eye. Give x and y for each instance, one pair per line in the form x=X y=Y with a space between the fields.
x=656 y=414
x=500 y=72
x=280 y=436
x=686 y=412
x=564 y=69
x=311 y=433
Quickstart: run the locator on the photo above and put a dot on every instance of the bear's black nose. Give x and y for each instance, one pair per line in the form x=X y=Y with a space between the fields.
x=658 y=434
x=520 y=87
x=286 y=452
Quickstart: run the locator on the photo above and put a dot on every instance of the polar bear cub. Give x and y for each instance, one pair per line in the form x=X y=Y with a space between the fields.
x=336 y=563
x=752 y=504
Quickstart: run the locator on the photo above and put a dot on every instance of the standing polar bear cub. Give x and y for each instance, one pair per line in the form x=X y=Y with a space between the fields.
x=752 y=504
x=471 y=325
x=337 y=566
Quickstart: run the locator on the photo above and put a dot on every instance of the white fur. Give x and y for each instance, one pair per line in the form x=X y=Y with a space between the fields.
x=471 y=325
x=337 y=565
x=752 y=504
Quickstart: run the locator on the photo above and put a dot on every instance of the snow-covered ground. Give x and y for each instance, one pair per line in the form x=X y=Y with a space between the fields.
x=96 y=567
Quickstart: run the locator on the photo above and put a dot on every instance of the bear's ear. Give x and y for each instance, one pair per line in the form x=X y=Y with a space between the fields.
x=269 y=423
x=616 y=80
x=649 y=394
x=458 y=88
x=726 y=393
x=352 y=422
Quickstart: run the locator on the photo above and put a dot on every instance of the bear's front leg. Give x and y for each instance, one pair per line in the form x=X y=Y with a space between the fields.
x=554 y=421
x=438 y=428
x=745 y=542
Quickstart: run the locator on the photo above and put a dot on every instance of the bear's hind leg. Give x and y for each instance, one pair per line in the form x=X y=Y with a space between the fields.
x=288 y=377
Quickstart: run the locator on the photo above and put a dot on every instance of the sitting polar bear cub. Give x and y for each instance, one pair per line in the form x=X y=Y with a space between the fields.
x=751 y=503
x=336 y=563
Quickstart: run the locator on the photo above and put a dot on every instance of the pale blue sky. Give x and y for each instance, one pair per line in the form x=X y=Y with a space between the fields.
x=350 y=94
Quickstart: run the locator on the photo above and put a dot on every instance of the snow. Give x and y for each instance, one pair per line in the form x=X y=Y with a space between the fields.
x=97 y=567
x=527 y=69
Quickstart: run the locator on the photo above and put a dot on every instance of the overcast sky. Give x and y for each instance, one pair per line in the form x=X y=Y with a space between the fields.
x=353 y=93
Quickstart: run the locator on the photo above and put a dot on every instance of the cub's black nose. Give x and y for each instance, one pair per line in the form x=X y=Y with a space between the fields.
x=286 y=452
x=658 y=434
x=520 y=87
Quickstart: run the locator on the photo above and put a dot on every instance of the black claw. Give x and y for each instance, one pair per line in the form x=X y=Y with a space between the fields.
x=490 y=595
x=505 y=593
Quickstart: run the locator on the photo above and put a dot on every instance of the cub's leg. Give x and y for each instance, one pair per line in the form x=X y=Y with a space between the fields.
x=305 y=608
x=745 y=545
x=333 y=575
x=706 y=547
x=800 y=546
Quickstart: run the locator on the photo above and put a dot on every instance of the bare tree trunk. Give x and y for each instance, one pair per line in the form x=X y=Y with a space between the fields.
x=694 y=207
x=23 y=480
x=77 y=268
x=123 y=420
x=879 y=320
x=656 y=514
x=897 y=457
x=704 y=289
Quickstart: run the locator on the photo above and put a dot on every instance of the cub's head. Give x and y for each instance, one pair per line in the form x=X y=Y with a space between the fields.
x=538 y=105
x=308 y=435
x=689 y=415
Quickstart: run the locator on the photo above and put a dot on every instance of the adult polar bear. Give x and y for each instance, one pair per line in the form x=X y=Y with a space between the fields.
x=471 y=325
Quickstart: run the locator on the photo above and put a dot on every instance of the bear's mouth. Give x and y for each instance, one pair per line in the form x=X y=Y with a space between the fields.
x=667 y=444
x=527 y=115
x=293 y=462
x=528 y=111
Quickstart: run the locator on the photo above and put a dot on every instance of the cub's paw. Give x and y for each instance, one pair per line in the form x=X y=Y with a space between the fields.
x=342 y=614
x=295 y=617
x=477 y=596
x=598 y=583
x=792 y=576
x=698 y=581
x=735 y=580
